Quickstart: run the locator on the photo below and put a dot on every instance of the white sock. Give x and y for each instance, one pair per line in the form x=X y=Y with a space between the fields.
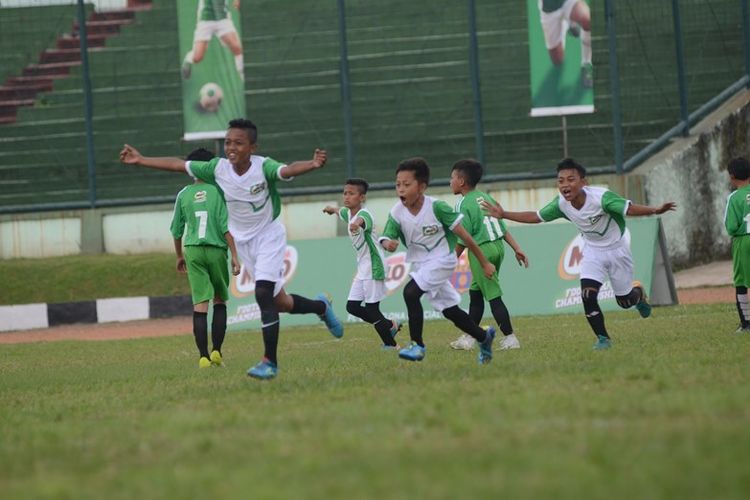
x=239 y=63
x=744 y=306
x=189 y=57
x=585 y=47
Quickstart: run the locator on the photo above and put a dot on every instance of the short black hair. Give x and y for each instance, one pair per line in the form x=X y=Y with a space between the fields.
x=360 y=183
x=739 y=168
x=571 y=164
x=471 y=170
x=200 y=154
x=246 y=125
x=418 y=166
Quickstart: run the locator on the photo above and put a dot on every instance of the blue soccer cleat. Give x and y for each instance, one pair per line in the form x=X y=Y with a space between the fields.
x=644 y=308
x=485 y=348
x=602 y=343
x=329 y=317
x=414 y=352
x=265 y=370
x=395 y=328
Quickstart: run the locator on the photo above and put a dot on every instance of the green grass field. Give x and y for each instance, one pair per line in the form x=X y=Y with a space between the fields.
x=664 y=414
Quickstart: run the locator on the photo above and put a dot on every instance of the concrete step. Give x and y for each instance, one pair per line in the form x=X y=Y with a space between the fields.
x=50 y=69
x=74 y=42
x=60 y=55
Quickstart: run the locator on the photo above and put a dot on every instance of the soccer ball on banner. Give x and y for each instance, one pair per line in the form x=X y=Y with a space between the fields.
x=210 y=97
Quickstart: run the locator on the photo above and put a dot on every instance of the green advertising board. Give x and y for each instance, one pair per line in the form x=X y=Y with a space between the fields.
x=213 y=89
x=548 y=286
x=560 y=57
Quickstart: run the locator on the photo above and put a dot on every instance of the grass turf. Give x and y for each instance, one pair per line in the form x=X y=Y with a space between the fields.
x=664 y=414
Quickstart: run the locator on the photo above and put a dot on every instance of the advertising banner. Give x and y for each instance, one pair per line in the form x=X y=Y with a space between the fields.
x=550 y=285
x=560 y=57
x=211 y=66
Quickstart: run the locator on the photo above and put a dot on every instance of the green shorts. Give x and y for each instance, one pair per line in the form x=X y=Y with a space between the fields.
x=490 y=287
x=208 y=272
x=741 y=260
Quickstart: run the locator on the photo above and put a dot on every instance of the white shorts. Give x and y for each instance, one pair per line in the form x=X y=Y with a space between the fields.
x=204 y=30
x=615 y=263
x=263 y=255
x=555 y=24
x=434 y=278
x=369 y=291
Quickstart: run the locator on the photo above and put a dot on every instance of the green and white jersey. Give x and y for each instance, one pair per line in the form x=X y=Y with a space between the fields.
x=737 y=213
x=253 y=200
x=370 y=260
x=427 y=235
x=551 y=5
x=481 y=227
x=200 y=214
x=212 y=10
x=601 y=219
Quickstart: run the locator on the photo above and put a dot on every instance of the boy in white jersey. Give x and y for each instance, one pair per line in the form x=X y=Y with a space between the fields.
x=214 y=20
x=249 y=184
x=599 y=214
x=368 y=285
x=428 y=228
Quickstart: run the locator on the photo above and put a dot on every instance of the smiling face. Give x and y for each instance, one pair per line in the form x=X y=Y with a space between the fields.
x=238 y=148
x=570 y=183
x=408 y=189
x=353 y=197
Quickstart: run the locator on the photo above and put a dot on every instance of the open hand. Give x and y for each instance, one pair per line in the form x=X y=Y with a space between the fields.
x=670 y=205
x=522 y=259
x=493 y=210
x=129 y=155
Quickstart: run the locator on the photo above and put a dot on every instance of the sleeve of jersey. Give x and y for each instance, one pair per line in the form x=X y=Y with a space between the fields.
x=392 y=230
x=731 y=218
x=367 y=218
x=223 y=216
x=272 y=171
x=344 y=214
x=551 y=211
x=445 y=214
x=614 y=204
x=203 y=170
x=177 y=227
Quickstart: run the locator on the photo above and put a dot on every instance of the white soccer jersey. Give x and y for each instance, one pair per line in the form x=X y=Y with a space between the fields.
x=253 y=200
x=370 y=260
x=601 y=219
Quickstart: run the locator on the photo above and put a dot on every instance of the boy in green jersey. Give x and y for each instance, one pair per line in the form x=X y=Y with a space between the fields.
x=489 y=234
x=201 y=215
x=368 y=285
x=737 y=222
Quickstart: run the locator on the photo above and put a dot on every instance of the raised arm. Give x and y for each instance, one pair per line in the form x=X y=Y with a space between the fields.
x=635 y=210
x=498 y=212
x=302 y=167
x=131 y=156
x=487 y=266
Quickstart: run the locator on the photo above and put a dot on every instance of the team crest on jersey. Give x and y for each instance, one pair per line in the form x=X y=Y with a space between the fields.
x=199 y=197
x=569 y=266
x=747 y=198
x=244 y=283
x=593 y=220
x=430 y=230
x=257 y=188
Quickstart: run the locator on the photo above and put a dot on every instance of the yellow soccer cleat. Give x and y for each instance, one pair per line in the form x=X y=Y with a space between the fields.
x=216 y=358
x=204 y=362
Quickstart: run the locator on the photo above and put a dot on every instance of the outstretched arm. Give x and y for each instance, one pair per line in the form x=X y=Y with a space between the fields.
x=302 y=167
x=131 y=156
x=487 y=266
x=331 y=210
x=498 y=212
x=638 y=210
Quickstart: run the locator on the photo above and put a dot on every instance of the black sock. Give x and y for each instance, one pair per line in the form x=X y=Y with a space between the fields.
x=461 y=319
x=271 y=338
x=412 y=297
x=269 y=318
x=303 y=305
x=218 y=326
x=476 y=306
x=200 y=332
x=501 y=315
x=589 y=297
x=382 y=324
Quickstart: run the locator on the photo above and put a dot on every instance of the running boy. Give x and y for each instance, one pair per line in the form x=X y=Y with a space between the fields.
x=200 y=214
x=599 y=214
x=489 y=234
x=369 y=283
x=249 y=183
x=428 y=228
x=737 y=222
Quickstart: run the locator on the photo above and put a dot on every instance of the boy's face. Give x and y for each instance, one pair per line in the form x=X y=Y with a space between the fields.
x=353 y=196
x=457 y=182
x=237 y=146
x=570 y=183
x=408 y=188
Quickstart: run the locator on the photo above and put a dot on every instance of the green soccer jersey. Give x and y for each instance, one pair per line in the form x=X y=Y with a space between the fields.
x=212 y=10
x=201 y=215
x=370 y=260
x=480 y=227
x=552 y=5
x=737 y=213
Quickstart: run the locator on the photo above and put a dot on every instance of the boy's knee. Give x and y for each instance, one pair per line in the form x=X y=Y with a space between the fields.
x=352 y=307
x=590 y=299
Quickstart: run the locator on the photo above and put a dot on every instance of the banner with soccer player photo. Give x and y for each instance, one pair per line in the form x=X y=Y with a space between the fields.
x=211 y=66
x=562 y=74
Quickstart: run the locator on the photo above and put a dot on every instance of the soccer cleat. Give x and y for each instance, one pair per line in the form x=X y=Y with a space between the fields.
x=742 y=330
x=602 y=343
x=414 y=352
x=385 y=347
x=395 y=328
x=186 y=70
x=265 y=370
x=204 y=362
x=587 y=75
x=510 y=342
x=216 y=359
x=485 y=348
x=329 y=317
x=644 y=308
x=463 y=343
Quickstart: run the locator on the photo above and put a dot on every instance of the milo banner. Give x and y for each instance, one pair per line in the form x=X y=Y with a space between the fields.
x=550 y=285
x=562 y=75
x=211 y=66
